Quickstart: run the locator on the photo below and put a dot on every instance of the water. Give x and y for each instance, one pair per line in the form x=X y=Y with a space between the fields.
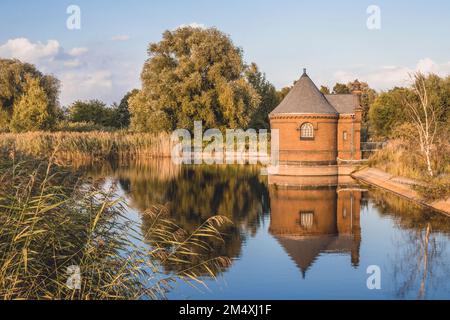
x=309 y=242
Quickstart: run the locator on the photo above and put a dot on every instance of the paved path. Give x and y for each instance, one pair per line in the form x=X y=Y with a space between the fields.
x=399 y=185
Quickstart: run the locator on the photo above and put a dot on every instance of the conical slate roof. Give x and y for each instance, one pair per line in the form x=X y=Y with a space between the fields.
x=304 y=98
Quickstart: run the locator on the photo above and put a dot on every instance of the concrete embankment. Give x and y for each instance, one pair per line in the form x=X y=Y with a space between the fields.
x=401 y=186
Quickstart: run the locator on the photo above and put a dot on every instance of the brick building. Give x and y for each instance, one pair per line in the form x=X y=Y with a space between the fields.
x=317 y=129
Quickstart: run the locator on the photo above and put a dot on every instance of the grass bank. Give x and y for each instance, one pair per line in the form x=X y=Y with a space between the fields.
x=87 y=146
x=403 y=159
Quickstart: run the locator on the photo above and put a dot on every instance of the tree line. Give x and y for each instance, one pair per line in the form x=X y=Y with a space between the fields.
x=191 y=74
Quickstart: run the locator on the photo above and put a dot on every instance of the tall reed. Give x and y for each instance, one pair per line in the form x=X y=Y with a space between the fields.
x=88 y=146
x=53 y=221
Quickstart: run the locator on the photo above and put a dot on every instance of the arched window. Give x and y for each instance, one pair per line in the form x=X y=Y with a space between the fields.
x=307 y=131
x=306 y=220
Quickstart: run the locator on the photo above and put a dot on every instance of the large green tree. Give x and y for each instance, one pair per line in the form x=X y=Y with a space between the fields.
x=193 y=74
x=91 y=111
x=14 y=75
x=32 y=111
x=268 y=95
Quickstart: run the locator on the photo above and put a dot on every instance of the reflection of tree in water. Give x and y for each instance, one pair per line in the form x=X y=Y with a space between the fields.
x=187 y=254
x=193 y=194
x=408 y=215
x=420 y=264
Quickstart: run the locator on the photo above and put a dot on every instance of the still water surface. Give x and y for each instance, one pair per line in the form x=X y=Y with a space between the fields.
x=313 y=242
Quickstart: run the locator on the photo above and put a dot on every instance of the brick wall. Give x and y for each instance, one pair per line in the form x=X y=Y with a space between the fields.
x=321 y=149
x=334 y=137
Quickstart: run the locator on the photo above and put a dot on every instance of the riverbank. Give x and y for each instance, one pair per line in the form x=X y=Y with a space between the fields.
x=401 y=186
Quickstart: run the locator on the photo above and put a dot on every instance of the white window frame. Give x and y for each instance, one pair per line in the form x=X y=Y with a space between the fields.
x=307 y=131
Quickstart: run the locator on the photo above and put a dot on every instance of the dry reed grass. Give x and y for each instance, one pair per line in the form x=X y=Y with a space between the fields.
x=88 y=146
x=402 y=158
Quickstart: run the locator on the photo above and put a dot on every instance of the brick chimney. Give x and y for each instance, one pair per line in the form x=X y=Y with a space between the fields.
x=356 y=90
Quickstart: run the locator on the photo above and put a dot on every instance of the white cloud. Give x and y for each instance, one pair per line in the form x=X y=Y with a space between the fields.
x=24 y=49
x=84 y=73
x=85 y=85
x=386 y=77
x=75 y=52
x=120 y=37
x=192 y=25
x=72 y=63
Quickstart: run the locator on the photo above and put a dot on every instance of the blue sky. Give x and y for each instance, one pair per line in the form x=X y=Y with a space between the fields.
x=104 y=58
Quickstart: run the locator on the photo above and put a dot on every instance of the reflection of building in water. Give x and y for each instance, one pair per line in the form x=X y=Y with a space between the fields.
x=312 y=220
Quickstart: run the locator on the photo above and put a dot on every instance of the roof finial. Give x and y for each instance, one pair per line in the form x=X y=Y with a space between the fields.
x=304 y=71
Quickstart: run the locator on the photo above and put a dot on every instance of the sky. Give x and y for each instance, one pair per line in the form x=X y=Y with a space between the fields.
x=103 y=59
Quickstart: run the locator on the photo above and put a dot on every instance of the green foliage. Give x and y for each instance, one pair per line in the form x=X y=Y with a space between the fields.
x=14 y=83
x=144 y=119
x=324 y=90
x=399 y=115
x=32 y=111
x=438 y=90
x=94 y=111
x=387 y=112
x=97 y=114
x=341 y=88
x=193 y=74
x=367 y=97
x=283 y=93
x=269 y=97
x=121 y=113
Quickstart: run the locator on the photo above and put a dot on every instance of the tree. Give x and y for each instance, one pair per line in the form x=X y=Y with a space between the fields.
x=424 y=114
x=32 y=111
x=387 y=112
x=14 y=75
x=283 y=93
x=268 y=97
x=93 y=111
x=193 y=74
x=146 y=119
x=341 y=88
x=122 y=112
x=367 y=97
x=324 y=90
x=96 y=112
